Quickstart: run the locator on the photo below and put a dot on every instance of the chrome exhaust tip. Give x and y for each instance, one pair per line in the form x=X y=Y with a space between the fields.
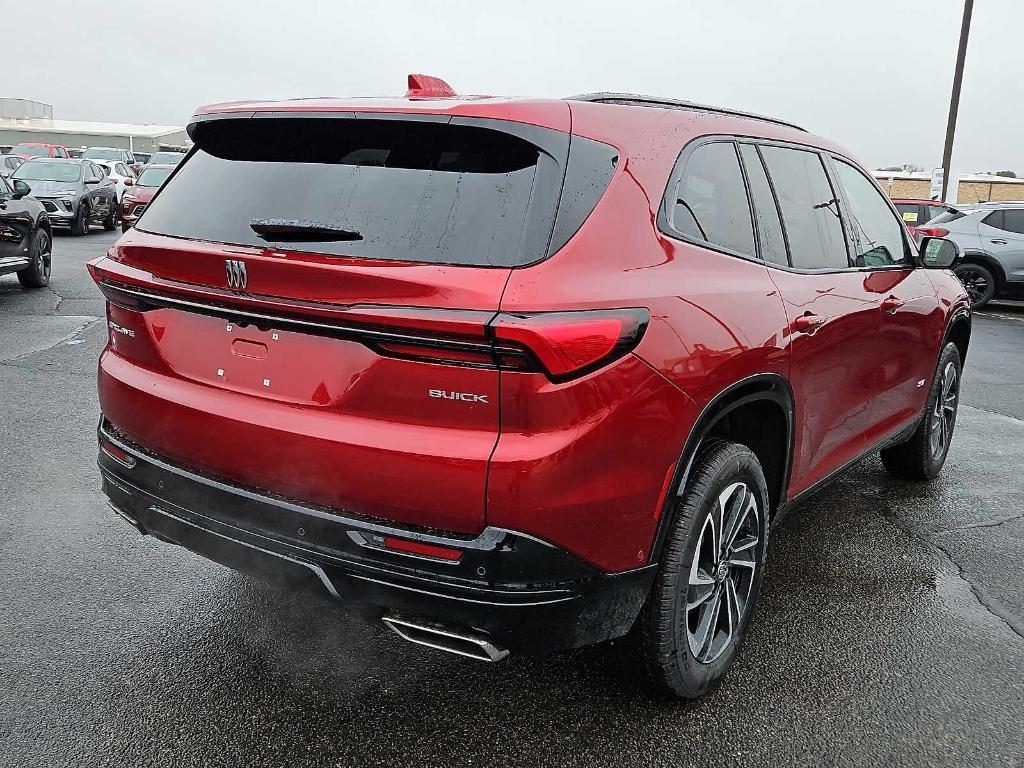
x=446 y=640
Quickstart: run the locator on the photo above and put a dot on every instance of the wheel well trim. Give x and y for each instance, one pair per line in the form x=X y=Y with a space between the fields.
x=959 y=316
x=760 y=387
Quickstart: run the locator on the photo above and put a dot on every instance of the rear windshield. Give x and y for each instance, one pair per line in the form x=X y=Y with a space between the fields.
x=164 y=158
x=948 y=216
x=102 y=153
x=403 y=190
x=43 y=170
x=25 y=149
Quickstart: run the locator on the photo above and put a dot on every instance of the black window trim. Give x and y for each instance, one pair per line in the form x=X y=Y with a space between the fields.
x=824 y=157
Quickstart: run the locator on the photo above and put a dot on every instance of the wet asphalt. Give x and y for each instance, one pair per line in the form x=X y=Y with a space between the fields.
x=890 y=629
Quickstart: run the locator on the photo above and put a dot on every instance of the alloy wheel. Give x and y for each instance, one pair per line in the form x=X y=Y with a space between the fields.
x=941 y=429
x=975 y=283
x=43 y=257
x=722 y=573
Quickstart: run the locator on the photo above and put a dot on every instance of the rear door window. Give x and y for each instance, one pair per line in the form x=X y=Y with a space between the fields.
x=810 y=211
x=710 y=202
x=1013 y=220
x=876 y=233
x=766 y=213
x=403 y=190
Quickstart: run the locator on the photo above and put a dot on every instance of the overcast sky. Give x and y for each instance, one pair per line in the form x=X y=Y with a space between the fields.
x=873 y=75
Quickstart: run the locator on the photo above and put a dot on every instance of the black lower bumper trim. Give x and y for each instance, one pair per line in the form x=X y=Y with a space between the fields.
x=523 y=593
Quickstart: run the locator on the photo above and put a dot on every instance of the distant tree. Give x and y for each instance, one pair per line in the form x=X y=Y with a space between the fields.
x=1007 y=174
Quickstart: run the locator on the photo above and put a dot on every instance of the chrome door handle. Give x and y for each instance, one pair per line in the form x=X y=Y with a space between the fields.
x=998 y=242
x=807 y=323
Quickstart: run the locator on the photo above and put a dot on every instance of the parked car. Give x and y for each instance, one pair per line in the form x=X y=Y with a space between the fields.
x=135 y=202
x=5 y=149
x=120 y=175
x=165 y=158
x=9 y=164
x=113 y=153
x=73 y=192
x=29 y=149
x=142 y=157
x=517 y=375
x=917 y=212
x=991 y=236
x=76 y=152
x=25 y=236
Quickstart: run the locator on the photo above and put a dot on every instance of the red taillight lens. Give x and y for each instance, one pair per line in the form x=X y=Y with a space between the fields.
x=569 y=344
x=932 y=231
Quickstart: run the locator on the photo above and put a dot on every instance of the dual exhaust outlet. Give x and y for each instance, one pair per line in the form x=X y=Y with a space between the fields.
x=448 y=640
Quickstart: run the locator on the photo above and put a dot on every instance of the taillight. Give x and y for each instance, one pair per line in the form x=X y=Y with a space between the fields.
x=570 y=344
x=932 y=231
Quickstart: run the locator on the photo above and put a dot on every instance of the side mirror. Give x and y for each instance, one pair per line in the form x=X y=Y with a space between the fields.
x=21 y=189
x=129 y=183
x=92 y=181
x=939 y=253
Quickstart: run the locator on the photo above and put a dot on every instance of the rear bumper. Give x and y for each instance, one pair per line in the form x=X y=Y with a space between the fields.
x=514 y=590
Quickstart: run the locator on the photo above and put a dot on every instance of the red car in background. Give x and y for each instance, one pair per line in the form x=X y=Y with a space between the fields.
x=30 y=149
x=517 y=375
x=916 y=212
x=137 y=197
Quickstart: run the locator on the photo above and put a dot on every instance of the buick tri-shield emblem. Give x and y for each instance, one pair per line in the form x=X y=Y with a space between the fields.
x=237 y=276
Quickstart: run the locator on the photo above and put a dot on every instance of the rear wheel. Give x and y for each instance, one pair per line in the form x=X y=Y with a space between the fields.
x=37 y=273
x=80 y=226
x=694 y=620
x=978 y=281
x=922 y=456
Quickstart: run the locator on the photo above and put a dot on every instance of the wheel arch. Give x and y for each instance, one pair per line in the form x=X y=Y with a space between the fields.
x=761 y=396
x=988 y=261
x=958 y=331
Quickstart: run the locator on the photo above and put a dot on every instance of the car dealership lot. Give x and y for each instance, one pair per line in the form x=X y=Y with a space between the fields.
x=890 y=628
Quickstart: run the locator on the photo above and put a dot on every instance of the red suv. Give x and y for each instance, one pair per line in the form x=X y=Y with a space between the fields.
x=517 y=375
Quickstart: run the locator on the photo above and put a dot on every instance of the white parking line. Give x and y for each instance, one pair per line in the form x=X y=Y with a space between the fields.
x=1018 y=318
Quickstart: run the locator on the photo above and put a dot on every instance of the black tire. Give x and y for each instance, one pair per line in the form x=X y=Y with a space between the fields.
x=37 y=273
x=922 y=456
x=110 y=222
x=679 y=657
x=978 y=281
x=80 y=226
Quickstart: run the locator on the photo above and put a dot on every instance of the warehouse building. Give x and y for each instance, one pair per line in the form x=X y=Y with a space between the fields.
x=32 y=121
x=973 y=188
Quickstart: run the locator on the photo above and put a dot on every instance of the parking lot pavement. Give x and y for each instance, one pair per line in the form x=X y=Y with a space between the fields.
x=890 y=630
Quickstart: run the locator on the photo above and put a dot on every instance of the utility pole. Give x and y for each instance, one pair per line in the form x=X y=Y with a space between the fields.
x=954 y=100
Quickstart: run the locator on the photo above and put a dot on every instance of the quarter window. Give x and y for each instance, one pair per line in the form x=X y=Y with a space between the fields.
x=876 y=233
x=711 y=200
x=1008 y=220
x=766 y=212
x=810 y=212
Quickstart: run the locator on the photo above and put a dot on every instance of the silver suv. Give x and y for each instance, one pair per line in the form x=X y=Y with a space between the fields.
x=991 y=236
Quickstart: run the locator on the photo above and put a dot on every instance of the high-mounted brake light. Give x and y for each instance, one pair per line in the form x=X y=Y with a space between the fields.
x=932 y=231
x=428 y=87
x=569 y=344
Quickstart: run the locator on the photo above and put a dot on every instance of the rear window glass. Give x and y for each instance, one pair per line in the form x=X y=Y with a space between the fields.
x=403 y=190
x=948 y=216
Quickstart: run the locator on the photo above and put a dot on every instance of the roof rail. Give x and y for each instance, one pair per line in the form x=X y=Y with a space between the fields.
x=636 y=100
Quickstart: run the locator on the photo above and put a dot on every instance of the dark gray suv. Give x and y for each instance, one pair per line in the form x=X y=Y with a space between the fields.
x=991 y=236
x=74 y=193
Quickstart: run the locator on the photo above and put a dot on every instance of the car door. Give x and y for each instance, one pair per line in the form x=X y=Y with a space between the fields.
x=832 y=313
x=1002 y=235
x=16 y=224
x=910 y=323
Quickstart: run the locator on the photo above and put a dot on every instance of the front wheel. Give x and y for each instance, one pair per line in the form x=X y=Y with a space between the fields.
x=693 y=622
x=110 y=222
x=922 y=456
x=37 y=273
x=978 y=281
x=80 y=226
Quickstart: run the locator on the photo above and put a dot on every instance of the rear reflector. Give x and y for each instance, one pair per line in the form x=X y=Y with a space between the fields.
x=116 y=453
x=419 y=548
